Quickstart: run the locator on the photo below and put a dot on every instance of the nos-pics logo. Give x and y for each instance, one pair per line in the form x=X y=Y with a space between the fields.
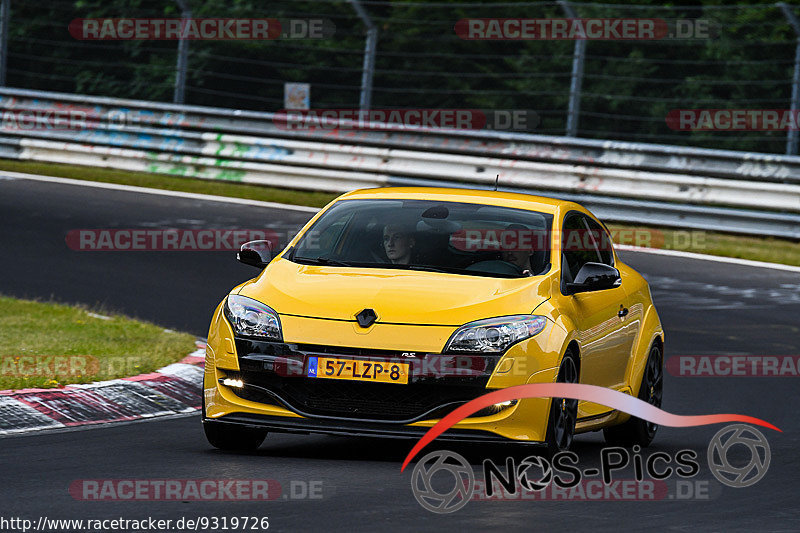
x=444 y=481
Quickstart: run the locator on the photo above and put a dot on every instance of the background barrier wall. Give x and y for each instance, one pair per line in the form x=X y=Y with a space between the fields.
x=749 y=193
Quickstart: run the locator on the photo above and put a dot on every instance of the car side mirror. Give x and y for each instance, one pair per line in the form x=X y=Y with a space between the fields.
x=255 y=253
x=594 y=277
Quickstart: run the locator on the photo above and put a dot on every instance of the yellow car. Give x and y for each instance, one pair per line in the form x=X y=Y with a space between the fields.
x=393 y=306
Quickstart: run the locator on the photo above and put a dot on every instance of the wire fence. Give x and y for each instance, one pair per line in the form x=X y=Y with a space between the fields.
x=713 y=57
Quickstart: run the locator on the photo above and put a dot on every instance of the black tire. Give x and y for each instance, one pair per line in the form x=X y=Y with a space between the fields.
x=637 y=431
x=563 y=411
x=233 y=438
x=230 y=437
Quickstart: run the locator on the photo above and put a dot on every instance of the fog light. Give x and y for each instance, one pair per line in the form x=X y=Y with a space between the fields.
x=493 y=409
x=235 y=383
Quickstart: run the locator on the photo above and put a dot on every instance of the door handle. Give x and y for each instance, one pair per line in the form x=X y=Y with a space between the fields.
x=623 y=312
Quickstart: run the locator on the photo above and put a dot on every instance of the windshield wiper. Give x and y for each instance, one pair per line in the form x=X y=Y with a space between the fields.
x=337 y=262
x=326 y=261
x=427 y=268
x=454 y=270
x=322 y=261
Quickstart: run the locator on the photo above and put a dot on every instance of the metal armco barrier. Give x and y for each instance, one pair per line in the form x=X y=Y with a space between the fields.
x=739 y=192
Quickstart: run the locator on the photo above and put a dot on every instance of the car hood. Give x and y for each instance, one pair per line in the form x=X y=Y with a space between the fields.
x=397 y=296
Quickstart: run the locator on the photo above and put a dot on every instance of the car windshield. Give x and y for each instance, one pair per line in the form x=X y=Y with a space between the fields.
x=453 y=237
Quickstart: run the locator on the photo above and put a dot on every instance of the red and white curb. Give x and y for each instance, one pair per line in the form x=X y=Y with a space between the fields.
x=172 y=390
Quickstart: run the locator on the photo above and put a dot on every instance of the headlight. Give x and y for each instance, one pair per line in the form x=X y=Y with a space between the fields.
x=495 y=335
x=252 y=318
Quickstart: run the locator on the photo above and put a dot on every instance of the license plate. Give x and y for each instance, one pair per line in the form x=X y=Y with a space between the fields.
x=353 y=369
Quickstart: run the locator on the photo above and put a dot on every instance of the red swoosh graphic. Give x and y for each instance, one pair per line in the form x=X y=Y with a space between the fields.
x=590 y=393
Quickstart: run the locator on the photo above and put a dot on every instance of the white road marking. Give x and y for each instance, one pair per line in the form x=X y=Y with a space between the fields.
x=706 y=257
x=161 y=192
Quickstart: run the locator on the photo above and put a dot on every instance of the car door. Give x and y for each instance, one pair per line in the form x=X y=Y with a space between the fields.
x=604 y=341
x=629 y=314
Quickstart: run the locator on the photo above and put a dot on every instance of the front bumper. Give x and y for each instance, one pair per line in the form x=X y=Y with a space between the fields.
x=279 y=396
x=308 y=426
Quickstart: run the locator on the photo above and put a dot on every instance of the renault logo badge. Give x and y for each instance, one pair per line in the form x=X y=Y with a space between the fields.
x=366 y=318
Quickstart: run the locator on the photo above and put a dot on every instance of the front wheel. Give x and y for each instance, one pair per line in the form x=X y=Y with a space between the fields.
x=635 y=430
x=563 y=411
x=233 y=438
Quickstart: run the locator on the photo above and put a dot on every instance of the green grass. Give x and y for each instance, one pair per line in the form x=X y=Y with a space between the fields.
x=45 y=345
x=768 y=249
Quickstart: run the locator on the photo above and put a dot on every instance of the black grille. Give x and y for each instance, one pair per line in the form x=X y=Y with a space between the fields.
x=274 y=373
x=249 y=346
x=346 y=399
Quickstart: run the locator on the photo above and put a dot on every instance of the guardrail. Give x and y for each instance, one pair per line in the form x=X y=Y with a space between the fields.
x=739 y=192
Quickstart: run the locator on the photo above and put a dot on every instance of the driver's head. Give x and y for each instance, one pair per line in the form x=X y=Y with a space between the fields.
x=515 y=255
x=397 y=243
x=519 y=258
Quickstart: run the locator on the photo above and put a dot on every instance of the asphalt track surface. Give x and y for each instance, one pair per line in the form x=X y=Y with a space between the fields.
x=706 y=308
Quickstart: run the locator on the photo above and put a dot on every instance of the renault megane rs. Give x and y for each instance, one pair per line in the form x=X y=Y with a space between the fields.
x=393 y=306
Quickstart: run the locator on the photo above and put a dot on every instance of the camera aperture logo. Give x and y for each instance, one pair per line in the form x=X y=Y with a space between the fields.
x=719 y=460
x=461 y=485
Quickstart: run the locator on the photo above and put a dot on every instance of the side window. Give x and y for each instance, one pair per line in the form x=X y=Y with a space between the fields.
x=576 y=249
x=602 y=241
x=583 y=241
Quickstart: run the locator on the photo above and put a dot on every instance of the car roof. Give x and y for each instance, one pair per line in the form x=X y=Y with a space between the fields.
x=530 y=202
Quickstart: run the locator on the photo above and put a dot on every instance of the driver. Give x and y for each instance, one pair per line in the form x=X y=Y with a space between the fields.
x=520 y=259
x=398 y=244
x=516 y=256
